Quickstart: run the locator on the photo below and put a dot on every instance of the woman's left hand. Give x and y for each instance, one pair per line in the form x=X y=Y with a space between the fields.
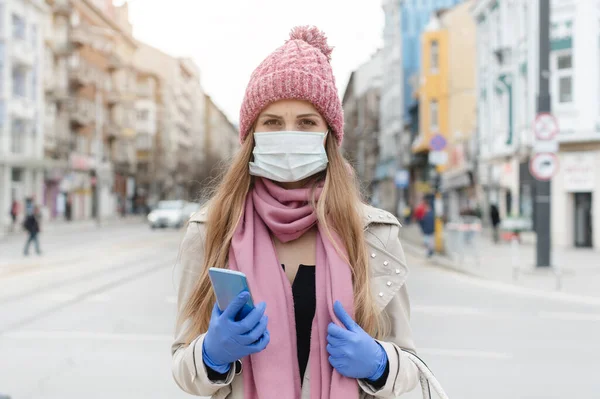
x=353 y=352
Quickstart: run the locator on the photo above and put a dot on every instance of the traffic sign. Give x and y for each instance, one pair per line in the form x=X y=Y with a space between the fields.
x=402 y=178
x=438 y=142
x=544 y=166
x=545 y=126
x=438 y=157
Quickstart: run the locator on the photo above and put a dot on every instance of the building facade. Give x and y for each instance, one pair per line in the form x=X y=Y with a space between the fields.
x=22 y=103
x=148 y=108
x=390 y=111
x=361 y=103
x=448 y=106
x=507 y=69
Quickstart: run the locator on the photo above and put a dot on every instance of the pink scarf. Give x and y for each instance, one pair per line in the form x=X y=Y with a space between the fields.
x=274 y=372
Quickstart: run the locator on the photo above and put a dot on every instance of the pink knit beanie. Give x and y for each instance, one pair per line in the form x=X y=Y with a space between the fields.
x=300 y=69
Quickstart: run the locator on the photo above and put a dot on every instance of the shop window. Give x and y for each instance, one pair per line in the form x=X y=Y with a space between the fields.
x=18 y=24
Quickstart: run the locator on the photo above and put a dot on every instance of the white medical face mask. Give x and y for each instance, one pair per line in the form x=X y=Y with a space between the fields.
x=288 y=156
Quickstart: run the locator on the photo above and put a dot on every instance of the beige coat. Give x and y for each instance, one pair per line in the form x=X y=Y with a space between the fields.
x=388 y=274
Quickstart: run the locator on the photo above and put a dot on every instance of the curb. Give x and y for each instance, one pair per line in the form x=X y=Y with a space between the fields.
x=445 y=263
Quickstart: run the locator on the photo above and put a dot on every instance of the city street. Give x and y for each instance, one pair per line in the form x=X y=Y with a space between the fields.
x=93 y=318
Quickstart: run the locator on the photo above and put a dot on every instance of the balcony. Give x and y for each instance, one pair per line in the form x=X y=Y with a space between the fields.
x=22 y=53
x=79 y=37
x=80 y=75
x=82 y=112
x=62 y=7
x=145 y=91
x=22 y=108
x=115 y=97
x=115 y=62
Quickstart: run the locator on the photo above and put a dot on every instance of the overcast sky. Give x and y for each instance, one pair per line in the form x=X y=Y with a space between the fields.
x=229 y=38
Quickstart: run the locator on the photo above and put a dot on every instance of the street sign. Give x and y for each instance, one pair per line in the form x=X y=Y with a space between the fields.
x=438 y=157
x=438 y=142
x=402 y=178
x=544 y=166
x=545 y=126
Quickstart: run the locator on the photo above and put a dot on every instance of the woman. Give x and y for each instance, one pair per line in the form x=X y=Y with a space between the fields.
x=326 y=271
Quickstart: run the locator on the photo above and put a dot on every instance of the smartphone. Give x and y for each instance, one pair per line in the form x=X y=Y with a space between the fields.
x=227 y=285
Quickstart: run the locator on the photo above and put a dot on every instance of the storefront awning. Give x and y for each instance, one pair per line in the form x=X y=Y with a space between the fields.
x=456 y=179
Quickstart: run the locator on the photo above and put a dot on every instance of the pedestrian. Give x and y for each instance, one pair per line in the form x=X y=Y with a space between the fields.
x=32 y=226
x=69 y=208
x=427 y=223
x=288 y=214
x=14 y=212
x=495 y=218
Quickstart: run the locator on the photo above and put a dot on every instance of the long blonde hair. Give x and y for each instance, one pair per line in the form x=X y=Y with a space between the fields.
x=338 y=210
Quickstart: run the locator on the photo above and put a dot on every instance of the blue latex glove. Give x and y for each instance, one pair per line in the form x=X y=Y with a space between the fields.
x=228 y=340
x=353 y=352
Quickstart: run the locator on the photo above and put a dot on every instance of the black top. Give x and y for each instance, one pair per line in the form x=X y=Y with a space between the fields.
x=305 y=303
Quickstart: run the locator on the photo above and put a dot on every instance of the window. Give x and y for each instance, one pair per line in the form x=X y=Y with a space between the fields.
x=34 y=36
x=564 y=75
x=142 y=115
x=1 y=67
x=435 y=55
x=18 y=82
x=75 y=19
x=33 y=85
x=433 y=116
x=18 y=136
x=18 y=27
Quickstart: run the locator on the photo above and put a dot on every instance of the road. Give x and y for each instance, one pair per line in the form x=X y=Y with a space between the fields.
x=93 y=318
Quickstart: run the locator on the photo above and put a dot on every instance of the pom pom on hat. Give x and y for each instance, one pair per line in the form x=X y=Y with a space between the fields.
x=313 y=36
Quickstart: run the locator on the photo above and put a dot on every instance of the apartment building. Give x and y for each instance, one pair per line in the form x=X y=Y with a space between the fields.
x=447 y=105
x=180 y=118
x=221 y=136
x=507 y=69
x=148 y=106
x=21 y=104
x=361 y=102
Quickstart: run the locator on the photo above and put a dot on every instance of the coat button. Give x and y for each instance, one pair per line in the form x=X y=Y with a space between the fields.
x=386 y=263
x=380 y=294
x=389 y=216
x=397 y=271
x=369 y=216
x=389 y=283
x=373 y=255
x=381 y=216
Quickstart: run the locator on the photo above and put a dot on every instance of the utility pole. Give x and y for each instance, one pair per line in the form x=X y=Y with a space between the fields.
x=99 y=151
x=543 y=188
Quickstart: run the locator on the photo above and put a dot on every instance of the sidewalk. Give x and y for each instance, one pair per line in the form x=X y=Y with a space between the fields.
x=60 y=226
x=577 y=271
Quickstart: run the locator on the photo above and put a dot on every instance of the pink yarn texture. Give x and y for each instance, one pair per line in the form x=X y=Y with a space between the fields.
x=300 y=69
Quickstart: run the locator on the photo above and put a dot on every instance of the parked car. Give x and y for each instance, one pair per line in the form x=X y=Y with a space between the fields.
x=168 y=214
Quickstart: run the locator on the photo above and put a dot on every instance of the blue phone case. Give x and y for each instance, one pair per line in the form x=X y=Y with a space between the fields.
x=227 y=285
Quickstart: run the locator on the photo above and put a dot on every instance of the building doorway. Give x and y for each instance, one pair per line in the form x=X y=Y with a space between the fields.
x=583 y=220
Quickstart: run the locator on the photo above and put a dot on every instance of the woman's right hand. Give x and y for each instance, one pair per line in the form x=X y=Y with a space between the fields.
x=228 y=340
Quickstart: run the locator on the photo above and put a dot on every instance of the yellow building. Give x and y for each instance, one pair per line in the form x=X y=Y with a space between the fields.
x=447 y=107
x=433 y=91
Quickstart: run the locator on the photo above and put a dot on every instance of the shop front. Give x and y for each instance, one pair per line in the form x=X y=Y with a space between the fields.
x=575 y=205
